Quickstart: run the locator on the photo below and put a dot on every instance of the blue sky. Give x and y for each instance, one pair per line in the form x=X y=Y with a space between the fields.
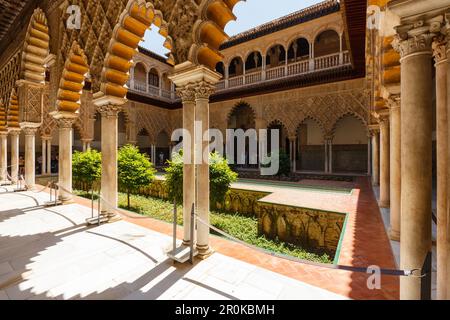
x=249 y=15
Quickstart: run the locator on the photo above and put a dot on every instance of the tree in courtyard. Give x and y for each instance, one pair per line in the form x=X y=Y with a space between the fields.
x=220 y=177
x=134 y=170
x=87 y=167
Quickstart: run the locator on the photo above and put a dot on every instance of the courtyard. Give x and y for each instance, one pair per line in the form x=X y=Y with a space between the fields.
x=224 y=149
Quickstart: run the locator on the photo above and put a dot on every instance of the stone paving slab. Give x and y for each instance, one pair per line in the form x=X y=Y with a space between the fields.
x=49 y=253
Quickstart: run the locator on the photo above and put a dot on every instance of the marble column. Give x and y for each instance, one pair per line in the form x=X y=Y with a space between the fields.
x=203 y=90
x=384 y=162
x=49 y=156
x=44 y=155
x=65 y=121
x=395 y=169
x=30 y=156
x=375 y=158
x=109 y=143
x=442 y=249
x=187 y=95
x=14 y=134
x=414 y=46
x=3 y=156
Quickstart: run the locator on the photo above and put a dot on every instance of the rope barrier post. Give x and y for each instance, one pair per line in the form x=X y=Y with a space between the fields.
x=191 y=242
x=98 y=213
x=92 y=202
x=425 y=284
x=174 y=244
x=56 y=194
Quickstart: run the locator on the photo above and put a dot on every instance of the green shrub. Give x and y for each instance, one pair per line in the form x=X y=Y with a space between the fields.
x=87 y=167
x=134 y=169
x=220 y=177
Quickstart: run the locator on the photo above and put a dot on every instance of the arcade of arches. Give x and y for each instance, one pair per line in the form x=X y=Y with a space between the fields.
x=350 y=88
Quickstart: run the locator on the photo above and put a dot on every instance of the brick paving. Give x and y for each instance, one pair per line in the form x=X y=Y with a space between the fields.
x=365 y=242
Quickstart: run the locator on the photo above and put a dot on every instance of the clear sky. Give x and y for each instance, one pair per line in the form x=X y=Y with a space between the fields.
x=249 y=14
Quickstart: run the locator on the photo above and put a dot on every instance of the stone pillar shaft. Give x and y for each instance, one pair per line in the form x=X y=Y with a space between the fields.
x=30 y=137
x=43 y=156
x=203 y=90
x=65 y=122
x=14 y=155
x=442 y=163
x=375 y=159
x=384 y=162
x=416 y=130
x=188 y=98
x=109 y=144
x=395 y=173
x=49 y=156
x=3 y=156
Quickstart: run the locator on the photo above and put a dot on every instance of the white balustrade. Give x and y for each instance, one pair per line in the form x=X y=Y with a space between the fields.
x=298 y=67
x=253 y=77
x=152 y=90
x=327 y=62
x=236 y=81
x=275 y=73
x=293 y=69
x=140 y=86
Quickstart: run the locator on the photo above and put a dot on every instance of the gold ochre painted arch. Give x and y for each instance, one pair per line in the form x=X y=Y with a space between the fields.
x=72 y=80
x=3 y=127
x=35 y=48
x=12 y=119
x=137 y=17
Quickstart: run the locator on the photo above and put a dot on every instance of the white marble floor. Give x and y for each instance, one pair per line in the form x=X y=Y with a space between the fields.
x=49 y=253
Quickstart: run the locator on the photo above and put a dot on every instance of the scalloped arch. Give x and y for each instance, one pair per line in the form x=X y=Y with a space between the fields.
x=72 y=80
x=35 y=48
x=137 y=17
x=13 y=111
x=3 y=127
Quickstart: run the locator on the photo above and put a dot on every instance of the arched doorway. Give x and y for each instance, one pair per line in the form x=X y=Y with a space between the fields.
x=310 y=147
x=162 y=149
x=298 y=50
x=283 y=140
x=242 y=117
x=140 y=77
x=326 y=43
x=349 y=146
x=143 y=142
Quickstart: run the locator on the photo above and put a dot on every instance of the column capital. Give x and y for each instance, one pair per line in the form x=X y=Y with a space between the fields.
x=109 y=110
x=64 y=119
x=14 y=131
x=374 y=129
x=393 y=102
x=29 y=131
x=415 y=38
x=439 y=47
x=186 y=93
x=3 y=133
x=46 y=138
x=203 y=90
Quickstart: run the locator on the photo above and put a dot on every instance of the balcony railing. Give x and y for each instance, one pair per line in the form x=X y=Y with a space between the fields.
x=151 y=91
x=331 y=61
x=251 y=77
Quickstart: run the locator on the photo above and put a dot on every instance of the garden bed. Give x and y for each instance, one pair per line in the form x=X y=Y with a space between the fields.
x=242 y=227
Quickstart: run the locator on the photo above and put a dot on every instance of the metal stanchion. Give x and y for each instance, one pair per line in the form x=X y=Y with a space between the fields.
x=425 y=284
x=174 y=240
x=92 y=203
x=98 y=212
x=191 y=242
x=183 y=253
